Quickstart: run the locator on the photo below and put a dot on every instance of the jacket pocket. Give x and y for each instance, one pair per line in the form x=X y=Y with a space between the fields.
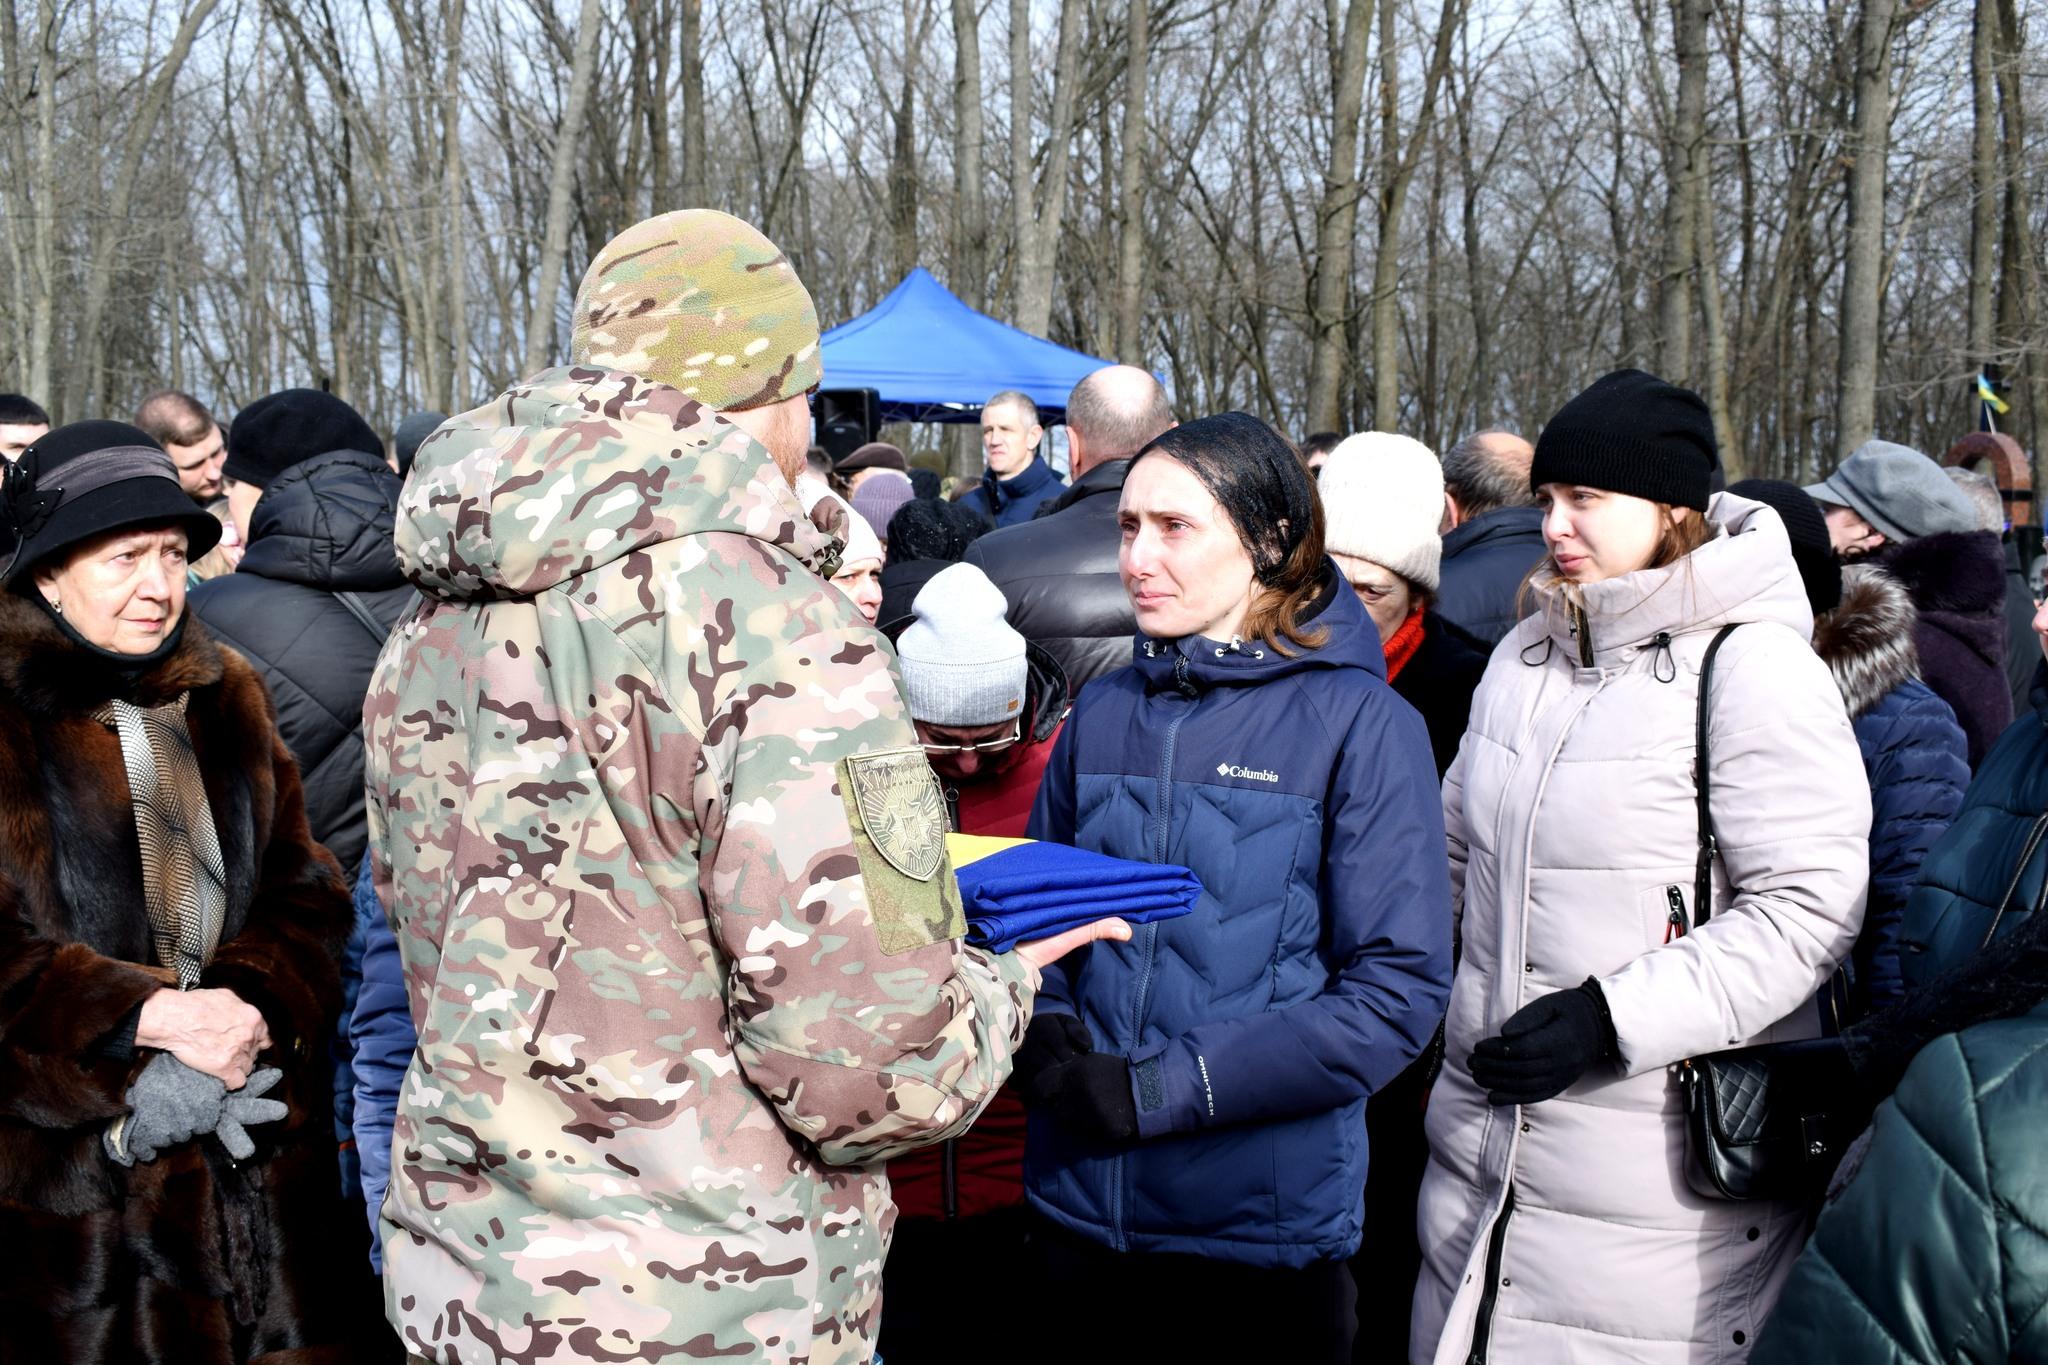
x=1666 y=912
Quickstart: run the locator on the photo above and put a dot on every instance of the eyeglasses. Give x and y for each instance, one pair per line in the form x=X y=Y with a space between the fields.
x=985 y=747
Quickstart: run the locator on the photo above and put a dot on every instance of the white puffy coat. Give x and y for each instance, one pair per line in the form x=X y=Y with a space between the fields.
x=1571 y=821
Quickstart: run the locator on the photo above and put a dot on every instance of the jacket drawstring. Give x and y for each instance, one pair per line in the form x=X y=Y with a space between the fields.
x=1663 y=667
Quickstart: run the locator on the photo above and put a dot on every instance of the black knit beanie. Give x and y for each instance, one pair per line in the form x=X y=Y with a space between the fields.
x=290 y=427
x=1807 y=527
x=1631 y=433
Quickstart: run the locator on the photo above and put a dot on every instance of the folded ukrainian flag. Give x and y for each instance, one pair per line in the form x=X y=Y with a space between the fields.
x=1017 y=890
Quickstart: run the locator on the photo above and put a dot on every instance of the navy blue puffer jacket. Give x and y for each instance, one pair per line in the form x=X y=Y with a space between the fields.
x=1914 y=752
x=1918 y=763
x=1314 y=968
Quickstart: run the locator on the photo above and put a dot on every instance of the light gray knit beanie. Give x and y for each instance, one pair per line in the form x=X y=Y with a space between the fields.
x=962 y=663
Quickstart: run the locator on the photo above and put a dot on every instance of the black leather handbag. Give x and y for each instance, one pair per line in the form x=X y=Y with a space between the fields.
x=1761 y=1122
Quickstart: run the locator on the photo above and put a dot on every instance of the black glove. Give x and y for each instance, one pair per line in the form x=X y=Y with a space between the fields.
x=1545 y=1046
x=1050 y=1042
x=1091 y=1097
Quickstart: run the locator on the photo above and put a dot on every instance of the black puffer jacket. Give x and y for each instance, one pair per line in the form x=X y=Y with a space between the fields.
x=1058 y=574
x=321 y=532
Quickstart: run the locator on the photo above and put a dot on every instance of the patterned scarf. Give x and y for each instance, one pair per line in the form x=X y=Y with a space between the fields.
x=184 y=883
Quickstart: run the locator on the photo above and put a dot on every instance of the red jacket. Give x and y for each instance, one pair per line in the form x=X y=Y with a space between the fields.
x=988 y=1162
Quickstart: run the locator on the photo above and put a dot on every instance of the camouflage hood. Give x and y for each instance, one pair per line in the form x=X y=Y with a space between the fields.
x=576 y=467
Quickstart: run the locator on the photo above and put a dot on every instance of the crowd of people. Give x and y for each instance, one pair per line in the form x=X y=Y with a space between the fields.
x=485 y=896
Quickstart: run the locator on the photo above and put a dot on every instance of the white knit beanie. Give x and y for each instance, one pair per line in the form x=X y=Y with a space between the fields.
x=962 y=663
x=1383 y=498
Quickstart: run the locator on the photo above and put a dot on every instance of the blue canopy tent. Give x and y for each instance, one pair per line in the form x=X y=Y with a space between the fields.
x=931 y=358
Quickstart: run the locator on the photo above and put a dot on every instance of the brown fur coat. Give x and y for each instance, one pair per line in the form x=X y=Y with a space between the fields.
x=192 y=1257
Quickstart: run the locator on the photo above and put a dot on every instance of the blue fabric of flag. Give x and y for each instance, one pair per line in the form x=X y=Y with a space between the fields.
x=1036 y=890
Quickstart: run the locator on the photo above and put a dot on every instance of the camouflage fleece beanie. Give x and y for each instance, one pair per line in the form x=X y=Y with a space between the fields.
x=702 y=302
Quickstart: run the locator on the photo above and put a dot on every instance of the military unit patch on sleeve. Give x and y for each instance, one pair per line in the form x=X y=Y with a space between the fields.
x=898 y=815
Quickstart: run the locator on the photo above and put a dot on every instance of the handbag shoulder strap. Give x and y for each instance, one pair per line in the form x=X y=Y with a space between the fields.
x=1703 y=867
x=361 y=612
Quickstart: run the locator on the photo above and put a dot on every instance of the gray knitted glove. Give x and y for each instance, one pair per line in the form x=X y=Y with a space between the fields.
x=168 y=1103
x=242 y=1107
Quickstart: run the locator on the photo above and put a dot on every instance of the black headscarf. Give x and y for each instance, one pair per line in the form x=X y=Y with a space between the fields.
x=1255 y=478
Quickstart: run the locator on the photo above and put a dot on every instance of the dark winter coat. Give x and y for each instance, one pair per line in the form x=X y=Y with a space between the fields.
x=1932 y=1252
x=2022 y=646
x=193 y=1257
x=1484 y=563
x=380 y=1046
x=1439 y=681
x=1957 y=582
x=1913 y=751
x=1008 y=502
x=1313 y=969
x=902 y=581
x=1967 y=874
x=321 y=531
x=1060 y=578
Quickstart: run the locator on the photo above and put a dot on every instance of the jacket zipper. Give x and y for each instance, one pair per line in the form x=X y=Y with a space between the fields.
x=1676 y=925
x=1496 y=1250
x=1583 y=628
x=1150 y=932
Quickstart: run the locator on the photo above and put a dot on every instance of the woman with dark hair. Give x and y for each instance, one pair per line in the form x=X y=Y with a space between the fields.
x=169 y=934
x=1197 y=1137
x=1556 y=1218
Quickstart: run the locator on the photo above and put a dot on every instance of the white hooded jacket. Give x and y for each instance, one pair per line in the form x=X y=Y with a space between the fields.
x=1572 y=826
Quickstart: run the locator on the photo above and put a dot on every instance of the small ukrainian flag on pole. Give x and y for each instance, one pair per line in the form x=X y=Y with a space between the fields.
x=1989 y=395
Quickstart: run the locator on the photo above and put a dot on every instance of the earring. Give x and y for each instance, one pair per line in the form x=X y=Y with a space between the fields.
x=57 y=606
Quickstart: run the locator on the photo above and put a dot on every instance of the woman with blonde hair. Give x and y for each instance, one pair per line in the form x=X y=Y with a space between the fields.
x=1556 y=1217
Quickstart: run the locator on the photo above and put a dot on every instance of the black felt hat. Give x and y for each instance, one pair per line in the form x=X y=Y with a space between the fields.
x=89 y=478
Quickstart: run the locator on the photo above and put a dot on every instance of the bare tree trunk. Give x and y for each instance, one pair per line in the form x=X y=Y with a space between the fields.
x=1863 y=263
x=1984 y=199
x=1726 y=433
x=970 y=216
x=1685 y=168
x=2024 y=327
x=1400 y=163
x=87 y=382
x=1130 y=252
x=1037 y=211
x=540 y=326
x=42 y=305
x=456 y=396
x=696 y=186
x=903 y=156
x=1337 y=218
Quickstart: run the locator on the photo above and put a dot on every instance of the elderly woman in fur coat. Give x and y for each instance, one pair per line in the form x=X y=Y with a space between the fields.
x=168 y=944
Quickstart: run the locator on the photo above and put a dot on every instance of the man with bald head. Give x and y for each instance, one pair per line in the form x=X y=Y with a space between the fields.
x=1058 y=572
x=1493 y=534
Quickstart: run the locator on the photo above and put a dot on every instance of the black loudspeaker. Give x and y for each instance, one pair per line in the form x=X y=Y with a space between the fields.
x=847 y=419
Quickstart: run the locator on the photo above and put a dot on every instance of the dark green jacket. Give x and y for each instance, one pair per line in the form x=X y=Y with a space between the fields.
x=1937 y=1249
x=1967 y=872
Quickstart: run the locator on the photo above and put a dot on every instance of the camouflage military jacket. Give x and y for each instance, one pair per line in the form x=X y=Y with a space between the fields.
x=668 y=874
